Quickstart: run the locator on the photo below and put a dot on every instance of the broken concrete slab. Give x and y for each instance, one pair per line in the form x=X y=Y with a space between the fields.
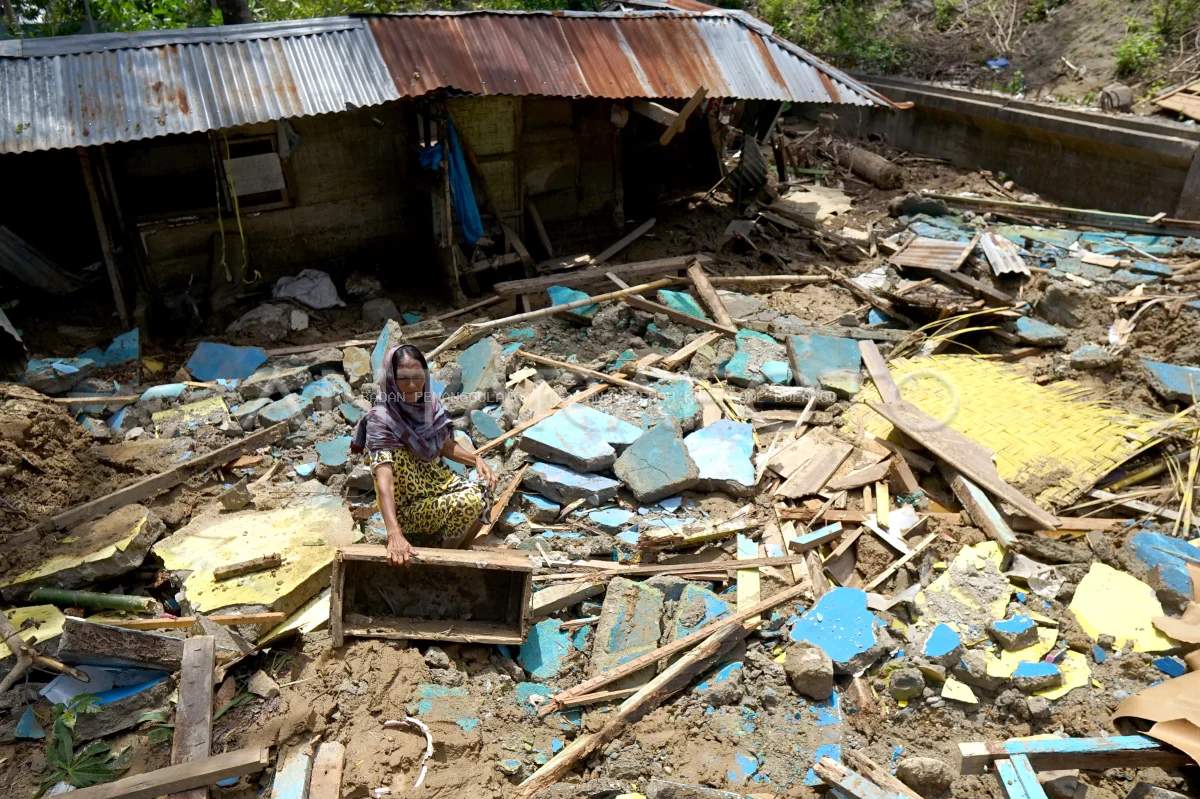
x=820 y=361
x=100 y=549
x=841 y=624
x=630 y=626
x=610 y=520
x=88 y=643
x=274 y=381
x=309 y=530
x=214 y=361
x=207 y=411
x=657 y=464
x=482 y=367
x=327 y=392
x=356 y=365
x=723 y=687
x=1031 y=676
x=753 y=350
x=561 y=295
x=723 y=452
x=1038 y=333
x=486 y=424
x=57 y=375
x=679 y=403
x=289 y=409
x=246 y=414
x=334 y=454
x=695 y=607
x=544 y=653
x=681 y=301
x=663 y=789
x=943 y=645
x=1173 y=382
x=565 y=485
x=1016 y=632
x=391 y=333
x=538 y=508
x=579 y=437
x=1162 y=561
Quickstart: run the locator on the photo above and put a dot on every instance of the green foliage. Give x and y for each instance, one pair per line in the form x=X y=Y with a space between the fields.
x=1014 y=85
x=851 y=32
x=1038 y=10
x=92 y=765
x=1174 y=18
x=161 y=729
x=945 y=13
x=1137 y=51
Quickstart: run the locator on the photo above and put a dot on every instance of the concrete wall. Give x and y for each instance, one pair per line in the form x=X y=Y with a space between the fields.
x=1112 y=163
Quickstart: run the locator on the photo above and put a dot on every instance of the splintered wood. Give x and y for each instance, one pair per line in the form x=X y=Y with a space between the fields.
x=807 y=465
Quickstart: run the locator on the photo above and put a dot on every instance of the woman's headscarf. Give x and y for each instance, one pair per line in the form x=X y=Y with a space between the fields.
x=421 y=427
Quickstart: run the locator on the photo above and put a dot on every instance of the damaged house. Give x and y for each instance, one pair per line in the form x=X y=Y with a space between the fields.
x=205 y=160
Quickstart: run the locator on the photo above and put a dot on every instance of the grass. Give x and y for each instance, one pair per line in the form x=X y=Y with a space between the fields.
x=1138 y=51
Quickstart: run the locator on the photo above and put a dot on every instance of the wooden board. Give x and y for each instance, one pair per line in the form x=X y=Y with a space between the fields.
x=596 y=274
x=187 y=622
x=954 y=448
x=182 y=777
x=1018 y=779
x=558 y=597
x=326 y=781
x=749 y=581
x=811 y=464
x=192 y=737
x=684 y=354
x=479 y=632
x=1052 y=754
x=936 y=254
x=477 y=558
x=680 y=120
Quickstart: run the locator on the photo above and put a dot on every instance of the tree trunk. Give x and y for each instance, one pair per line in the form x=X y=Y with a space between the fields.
x=235 y=12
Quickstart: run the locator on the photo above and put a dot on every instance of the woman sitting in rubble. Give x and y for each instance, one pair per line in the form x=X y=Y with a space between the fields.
x=406 y=434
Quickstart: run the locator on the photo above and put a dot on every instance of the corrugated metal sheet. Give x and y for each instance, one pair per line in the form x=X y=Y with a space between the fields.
x=98 y=89
x=650 y=54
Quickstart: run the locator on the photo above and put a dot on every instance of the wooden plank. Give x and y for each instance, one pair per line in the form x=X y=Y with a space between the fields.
x=895 y=565
x=192 y=738
x=337 y=591
x=504 y=559
x=962 y=453
x=1053 y=754
x=803 y=543
x=878 y=774
x=980 y=509
x=539 y=227
x=292 y=773
x=813 y=464
x=498 y=507
x=976 y=287
x=107 y=251
x=475 y=632
x=849 y=782
x=326 y=781
x=582 y=277
x=654 y=111
x=749 y=582
x=623 y=242
x=187 y=622
x=883 y=504
x=1135 y=223
x=877 y=369
x=181 y=777
x=680 y=120
x=684 y=354
x=251 y=566
x=558 y=597
x=861 y=477
x=599 y=696
x=649 y=306
x=816 y=575
x=156 y=484
x=591 y=373
x=720 y=313
x=1018 y=779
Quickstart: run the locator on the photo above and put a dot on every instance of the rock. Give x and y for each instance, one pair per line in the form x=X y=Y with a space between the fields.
x=657 y=464
x=1031 y=676
x=1061 y=306
x=662 y=333
x=298 y=320
x=906 y=683
x=270 y=321
x=274 y=381
x=724 y=687
x=328 y=392
x=925 y=775
x=579 y=437
x=1038 y=708
x=1038 y=333
x=752 y=350
x=379 y=310
x=564 y=485
x=809 y=670
x=841 y=624
x=1013 y=633
x=662 y=789
x=595 y=789
x=261 y=684
x=291 y=408
x=1092 y=356
x=722 y=452
x=820 y=361
x=539 y=509
x=972 y=669
x=236 y=496
x=356 y=365
x=361 y=479
x=311 y=287
x=630 y=625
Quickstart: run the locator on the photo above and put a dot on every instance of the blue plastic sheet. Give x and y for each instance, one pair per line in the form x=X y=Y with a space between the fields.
x=462 y=193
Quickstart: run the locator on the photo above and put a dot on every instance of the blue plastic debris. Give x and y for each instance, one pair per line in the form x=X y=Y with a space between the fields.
x=561 y=295
x=211 y=360
x=1170 y=666
x=841 y=625
x=1164 y=560
x=125 y=348
x=544 y=650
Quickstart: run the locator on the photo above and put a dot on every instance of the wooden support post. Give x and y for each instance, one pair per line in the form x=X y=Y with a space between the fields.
x=539 y=228
x=106 y=247
x=326 y=781
x=182 y=777
x=710 y=296
x=980 y=509
x=193 y=715
x=680 y=120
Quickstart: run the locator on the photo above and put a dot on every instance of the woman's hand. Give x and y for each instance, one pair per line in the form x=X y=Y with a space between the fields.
x=399 y=551
x=485 y=472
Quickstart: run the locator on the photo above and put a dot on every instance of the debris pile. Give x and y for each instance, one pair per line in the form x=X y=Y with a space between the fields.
x=915 y=507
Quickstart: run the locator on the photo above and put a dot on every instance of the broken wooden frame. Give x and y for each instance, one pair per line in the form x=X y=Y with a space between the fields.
x=499 y=604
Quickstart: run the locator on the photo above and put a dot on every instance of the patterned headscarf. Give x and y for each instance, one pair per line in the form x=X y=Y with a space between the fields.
x=421 y=427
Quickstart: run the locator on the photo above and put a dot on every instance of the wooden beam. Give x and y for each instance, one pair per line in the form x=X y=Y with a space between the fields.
x=259 y=564
x=498 y=507
x=1053 y=754
x=106 y=246
x=880 y=775
x=326 y=781
x=181 y=777
x=649 y=306
x=192 y=738
x=980 y=509
x=187 y=622
x=877 y=369
x=654 y=111
x=591 y=373
x=539 y=227
x=895 y=565
x=558 y=597
x=596 y=274
x=849 y=782
x=684 y=354
x=707 y=293
x=680 y=120
x=623 y=242
x=156 y=484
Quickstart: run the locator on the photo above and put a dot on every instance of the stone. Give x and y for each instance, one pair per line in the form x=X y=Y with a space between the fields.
x=1038 y=333
x=334 y=454
x=579 y=437
x=449 y=378
x=630 y=625
x=907 y=683
x=679 y=403
x=723 y=453
x=1092 y=356
x=561 y=295
x=1032 y=676
x=379 y=310
x=274 y=381
x=925 y=775
x=664 y=335
x=485 y=424
x=214 y=361
x=270 y=321
x=664 y=789
x=436 y=658
x=289 y=409
x=695 y=606
x=820 y=361
x=538 y=508
x=246 y=414
x=261 y=684
x=944 y=645
x=752 y=350
x=1062 y=306
x=593 y=789
x=564 y=485
x=297 y=320
x=681 y=301
x=841 y=625
x=356 y=365
x=657 y=464
x=809 y=670
x=483 y=368
x=724 y=687
x=972 y=669
x=57 y=375
x=237 y=496
x=328 y=392
x=1016 y=632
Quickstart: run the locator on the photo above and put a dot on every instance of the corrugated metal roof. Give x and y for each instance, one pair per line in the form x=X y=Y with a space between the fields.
x=648 y=54
x=72 y=91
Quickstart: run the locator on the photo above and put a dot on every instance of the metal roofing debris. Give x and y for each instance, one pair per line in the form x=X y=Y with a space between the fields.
x=71 y=91
x=75 y=91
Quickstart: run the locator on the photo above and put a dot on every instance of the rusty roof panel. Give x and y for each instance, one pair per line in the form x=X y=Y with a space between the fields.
x=646 y=54
x=82 y=91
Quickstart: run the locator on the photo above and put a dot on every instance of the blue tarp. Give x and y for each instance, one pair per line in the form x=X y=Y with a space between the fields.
x=462 y=193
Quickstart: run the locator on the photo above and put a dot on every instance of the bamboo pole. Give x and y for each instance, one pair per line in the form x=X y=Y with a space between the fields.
x=707 y=293
x=592 y=373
